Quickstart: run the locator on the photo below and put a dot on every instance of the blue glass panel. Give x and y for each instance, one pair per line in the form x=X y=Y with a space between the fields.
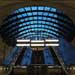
x=24 y=24
x=29 y=14
x=49 y=19
x=24 y=14
x=53 y=9
x=26 y=19
x=35 y=18
x=45 y=13
x=20 y=25
x=35 y=25
x=27 y=8
x=44 y=22
x=53 y=20
x=34 y=13
x=40 y=8
x=21 y=9
x=19 y=16
x=40 y=13
x=21 y=33
x=39 y=25
x=55 y=15
x=55 y=25
x=47 y=26
x=35 y=21
x=47 y=8
x=28 y=23
x=22 y=20
x=34 y=8
x=30 y=18
x=39 y=21
x=32 y=25
x=16 y=11
x=42 y=26
x=50 y=14
x=48 y=23
x=32 y=29
x=44 y=18
x=40 y=18
x=32 y=22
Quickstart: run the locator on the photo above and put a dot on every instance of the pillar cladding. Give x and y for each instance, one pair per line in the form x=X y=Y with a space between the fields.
x=37 y=22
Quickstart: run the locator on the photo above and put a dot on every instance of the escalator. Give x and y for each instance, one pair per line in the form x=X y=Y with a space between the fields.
x=19 y=58
x=23 y=59
x=37 y=57
x=12 y=57
x=58 y=59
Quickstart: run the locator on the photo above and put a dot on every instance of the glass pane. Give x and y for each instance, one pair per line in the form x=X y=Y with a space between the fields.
x=19 y=16
x=47 y=8
x=53 y=9
x=35 y=18
x=34 y=8
x=27 y=8
x=50 y=14
x=30 y=18
x=21 y=9
x=39 y=18
x=24 y=14
x=40 y=13
x=29 y=14
x=34 y=13
x=45 y=13
x=44 y=18
x=40 y=8
x=22 y=20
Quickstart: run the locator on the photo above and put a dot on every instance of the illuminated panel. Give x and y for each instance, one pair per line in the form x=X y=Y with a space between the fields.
x=48 y=57
x=52 y=45
x=34 y=41
x=66 y=51
x=27 y=57
x=9 y=59
x=23 y=40
x=52 y=40
x=35 y=45
x=23 y=45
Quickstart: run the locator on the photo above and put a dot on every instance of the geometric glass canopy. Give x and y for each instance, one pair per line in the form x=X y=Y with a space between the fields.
x=37 y=22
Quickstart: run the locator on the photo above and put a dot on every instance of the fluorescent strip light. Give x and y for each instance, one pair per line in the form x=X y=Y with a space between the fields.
x=22 y=44
x=52 y=40
x=37 y=45
x=37 y=41
x=51 y=44
x=47 y=40
x=23 y=40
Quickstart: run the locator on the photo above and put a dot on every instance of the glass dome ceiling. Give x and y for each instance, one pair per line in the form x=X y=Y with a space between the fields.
x=37 y=22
